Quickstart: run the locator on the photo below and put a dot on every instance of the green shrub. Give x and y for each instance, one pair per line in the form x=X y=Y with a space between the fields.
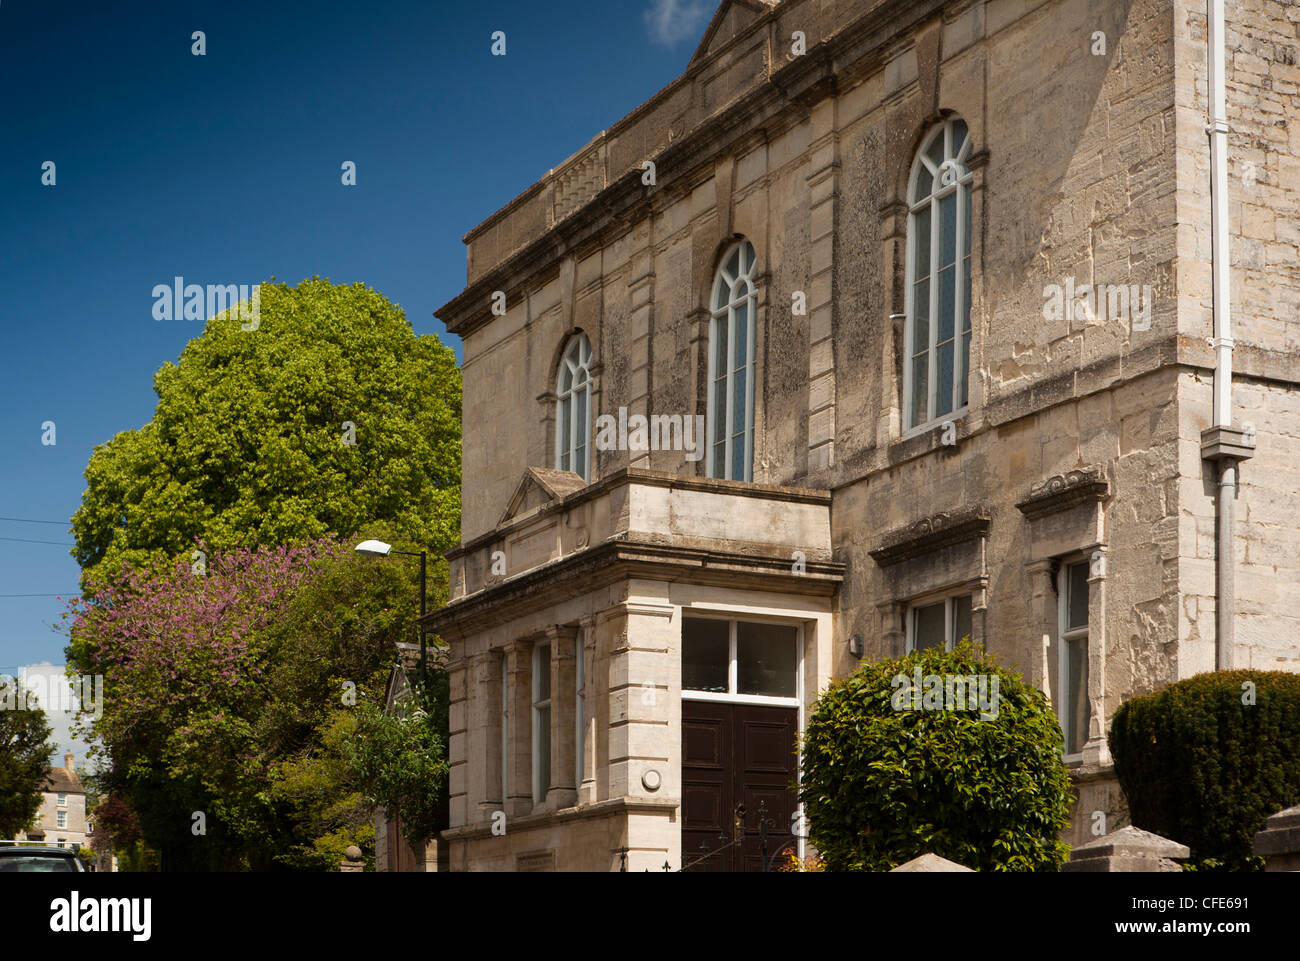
x=1202 y=765
x=883 y=783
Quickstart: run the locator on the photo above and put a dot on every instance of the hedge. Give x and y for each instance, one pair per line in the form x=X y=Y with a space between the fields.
x=1206 y=760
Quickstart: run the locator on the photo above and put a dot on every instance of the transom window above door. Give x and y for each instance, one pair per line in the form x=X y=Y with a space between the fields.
x=731 y=365
x=733 y=659
x=938 y=330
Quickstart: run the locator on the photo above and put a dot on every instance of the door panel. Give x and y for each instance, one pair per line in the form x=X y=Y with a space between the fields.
x=766 y=746
x=736 y=754
x=707 y=749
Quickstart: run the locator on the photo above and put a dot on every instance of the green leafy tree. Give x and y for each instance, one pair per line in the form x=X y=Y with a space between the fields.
x=24 y=756
x=328 y=810
x=330 y=416
x=887 y=778
x=400 y=758
x=337 y=645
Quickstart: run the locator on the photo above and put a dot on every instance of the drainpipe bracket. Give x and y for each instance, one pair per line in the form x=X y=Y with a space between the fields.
x=1218 y=443
x=1216 y=126
x=1217 y=342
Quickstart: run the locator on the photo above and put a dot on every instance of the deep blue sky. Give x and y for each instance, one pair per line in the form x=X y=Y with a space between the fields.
x=225 y=169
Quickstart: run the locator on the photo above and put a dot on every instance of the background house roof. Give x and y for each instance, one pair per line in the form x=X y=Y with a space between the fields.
x=63 y=781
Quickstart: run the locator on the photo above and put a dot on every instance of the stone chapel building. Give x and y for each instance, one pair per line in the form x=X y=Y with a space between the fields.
x=933 y=280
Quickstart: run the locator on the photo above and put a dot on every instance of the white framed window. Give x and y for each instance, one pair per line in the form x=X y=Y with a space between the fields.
x=541 y=721
x=756 y=662
x=938 y=326
x=938 y=623
x=730 y=418
x=579 y=711
x=62 y=821
x=61 y=799
x=1073 y=709
x=573 y=408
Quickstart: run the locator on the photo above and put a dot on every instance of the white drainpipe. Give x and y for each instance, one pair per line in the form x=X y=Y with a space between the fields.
x=1218 y=130
x=1222 y=443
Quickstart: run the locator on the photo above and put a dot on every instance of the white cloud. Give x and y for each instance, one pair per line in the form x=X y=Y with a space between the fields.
x=672 y=21
x=60 y=702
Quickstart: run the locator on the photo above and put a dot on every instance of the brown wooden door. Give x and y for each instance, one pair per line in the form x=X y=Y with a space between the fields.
x=401 y=857
x=736 y=754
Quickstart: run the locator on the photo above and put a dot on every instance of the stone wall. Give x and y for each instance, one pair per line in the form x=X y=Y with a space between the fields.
x=1263 y=96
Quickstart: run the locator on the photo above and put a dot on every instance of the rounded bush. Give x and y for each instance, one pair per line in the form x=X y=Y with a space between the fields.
x=1206 y=760
x=897 y=764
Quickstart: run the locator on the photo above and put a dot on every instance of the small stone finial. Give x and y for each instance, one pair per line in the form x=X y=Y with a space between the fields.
x=351 y=863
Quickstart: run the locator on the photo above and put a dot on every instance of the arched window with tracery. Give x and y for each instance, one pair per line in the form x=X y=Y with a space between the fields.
x=938 y=327
x=573 y=408
x=734 y=309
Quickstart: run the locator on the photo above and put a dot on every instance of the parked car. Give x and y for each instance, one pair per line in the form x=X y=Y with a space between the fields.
x=31 y=859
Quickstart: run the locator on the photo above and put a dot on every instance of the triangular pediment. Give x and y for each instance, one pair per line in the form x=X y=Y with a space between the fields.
x=538 y=487
x=731 y=17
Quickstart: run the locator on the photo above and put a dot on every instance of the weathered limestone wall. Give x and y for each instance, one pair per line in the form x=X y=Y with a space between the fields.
x=1267 y=541
x=1263 y=102
x=813 y=193
x=1131 y=433
x=1263 y=97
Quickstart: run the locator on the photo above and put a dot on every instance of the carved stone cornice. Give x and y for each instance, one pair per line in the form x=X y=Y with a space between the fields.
x=930 y=534
x=1059 y=493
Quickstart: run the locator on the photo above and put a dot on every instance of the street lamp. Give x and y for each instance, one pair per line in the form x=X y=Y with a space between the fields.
x=380 y=549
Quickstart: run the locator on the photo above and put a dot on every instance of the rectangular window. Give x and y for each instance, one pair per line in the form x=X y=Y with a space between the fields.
x=943 y=623
x=579 y=711
x=541 y=721
x=740 y=660
x=706 y=655
x=1073 y=708
x=767 y=661
x=505 y=727
x=63 y=820
x=62 y=800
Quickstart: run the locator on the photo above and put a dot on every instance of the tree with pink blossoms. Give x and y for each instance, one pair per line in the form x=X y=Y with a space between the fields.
x=230 y=686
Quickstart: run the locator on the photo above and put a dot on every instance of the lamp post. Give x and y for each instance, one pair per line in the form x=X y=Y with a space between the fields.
x=380 y=549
